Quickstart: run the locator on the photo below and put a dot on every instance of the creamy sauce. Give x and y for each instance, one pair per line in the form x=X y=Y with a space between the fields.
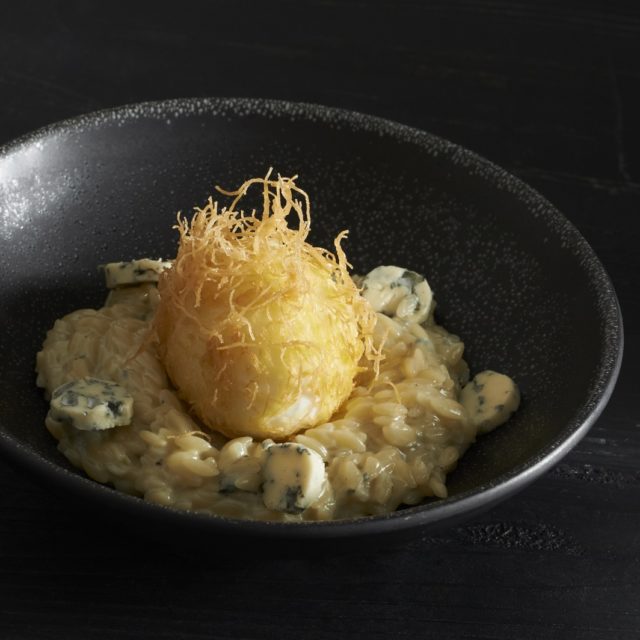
x=392 y=443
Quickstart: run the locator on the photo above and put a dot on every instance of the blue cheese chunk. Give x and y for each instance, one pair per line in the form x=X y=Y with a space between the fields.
x=294 y=477
x=398 y=293
x=119 y=274
x=90 y=404
x=489 y=400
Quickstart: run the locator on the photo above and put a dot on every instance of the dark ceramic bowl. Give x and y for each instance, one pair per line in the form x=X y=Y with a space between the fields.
x=512 y=276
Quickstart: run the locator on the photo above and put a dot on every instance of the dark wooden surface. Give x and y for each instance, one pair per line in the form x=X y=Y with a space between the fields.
x=551 y=92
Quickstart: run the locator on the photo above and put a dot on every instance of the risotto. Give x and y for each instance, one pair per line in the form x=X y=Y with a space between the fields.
x=409 y=413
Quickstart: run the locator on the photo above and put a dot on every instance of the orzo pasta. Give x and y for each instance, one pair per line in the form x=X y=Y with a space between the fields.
x=409 y=416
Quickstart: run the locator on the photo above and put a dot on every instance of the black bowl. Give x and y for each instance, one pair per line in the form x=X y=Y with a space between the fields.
x=512 y=276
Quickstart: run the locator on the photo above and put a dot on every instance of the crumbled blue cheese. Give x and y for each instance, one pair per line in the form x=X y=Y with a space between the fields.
x=489 y=400
x=293 y=477
x=118 y=274
x=398 y=293
x=90 y=404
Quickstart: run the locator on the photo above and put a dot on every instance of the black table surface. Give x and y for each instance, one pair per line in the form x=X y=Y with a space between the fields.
x=550 y=91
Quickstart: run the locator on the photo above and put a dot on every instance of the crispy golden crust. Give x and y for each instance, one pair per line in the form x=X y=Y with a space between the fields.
x=260 y=331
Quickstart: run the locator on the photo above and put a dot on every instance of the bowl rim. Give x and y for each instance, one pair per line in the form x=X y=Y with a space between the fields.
x=441 y=512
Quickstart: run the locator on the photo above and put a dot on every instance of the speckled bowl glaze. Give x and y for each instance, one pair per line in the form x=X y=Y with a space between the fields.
x=511 y=275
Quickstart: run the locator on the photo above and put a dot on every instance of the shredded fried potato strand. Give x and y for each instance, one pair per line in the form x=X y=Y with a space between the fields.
x=236 y=272
x=233 y=237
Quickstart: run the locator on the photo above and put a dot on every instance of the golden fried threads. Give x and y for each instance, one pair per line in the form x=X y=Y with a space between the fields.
x=260 y=331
